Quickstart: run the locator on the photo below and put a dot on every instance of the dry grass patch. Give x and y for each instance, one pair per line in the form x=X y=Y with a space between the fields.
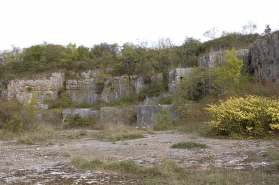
x=123 y=132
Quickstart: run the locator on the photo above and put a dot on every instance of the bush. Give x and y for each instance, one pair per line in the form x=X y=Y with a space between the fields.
x=77 y=121
x=189 y=145
x=163 y=120
x=250 y=116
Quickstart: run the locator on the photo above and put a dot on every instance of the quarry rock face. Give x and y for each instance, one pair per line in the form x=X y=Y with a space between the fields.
x=115 y=115
x=23 y=90
x=265 y=57
x=214 y=59
x=82 y=112
x=151 y=99
x=85 y=90
x=176 y=75
x=145 y=113
x=118 y=87
x=89 y=91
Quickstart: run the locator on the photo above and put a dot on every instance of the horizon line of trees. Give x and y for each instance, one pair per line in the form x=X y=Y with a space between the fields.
x=130 y=58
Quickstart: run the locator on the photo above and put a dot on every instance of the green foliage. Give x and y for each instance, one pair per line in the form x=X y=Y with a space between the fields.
x=189 y=145
x=154 y=88
x=228 y=41
x=163 y=120
x=250 y=116
x=77 y=121
x=16 y=118
x=227 y=75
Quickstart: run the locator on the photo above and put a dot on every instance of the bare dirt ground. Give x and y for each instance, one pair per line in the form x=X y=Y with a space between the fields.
x=49 y=162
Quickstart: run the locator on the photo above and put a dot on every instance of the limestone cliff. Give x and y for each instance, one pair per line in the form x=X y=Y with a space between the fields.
x=216 y=58
x=264 y=62
x=22 y=90
x=88 y=90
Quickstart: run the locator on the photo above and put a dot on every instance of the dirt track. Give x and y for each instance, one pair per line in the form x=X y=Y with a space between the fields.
x=49 y=162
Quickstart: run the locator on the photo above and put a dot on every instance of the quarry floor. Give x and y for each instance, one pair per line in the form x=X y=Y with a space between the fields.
x=49 y=162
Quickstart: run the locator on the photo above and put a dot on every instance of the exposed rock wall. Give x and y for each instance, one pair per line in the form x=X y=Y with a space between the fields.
x=88 y=90
x=213 y=59
x=151 y=99
x=265 y=57
x=22 y=90
x=116 y=115
x=176 y=75
x=145 y=114
x=118 y=87
x=83 y=112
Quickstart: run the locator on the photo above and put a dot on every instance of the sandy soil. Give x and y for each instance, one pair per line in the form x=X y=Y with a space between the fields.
x=48 y=163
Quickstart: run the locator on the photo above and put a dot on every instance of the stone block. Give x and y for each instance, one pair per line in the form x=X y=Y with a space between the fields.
x=82 y=112
x=145 y=113
x=117 y=115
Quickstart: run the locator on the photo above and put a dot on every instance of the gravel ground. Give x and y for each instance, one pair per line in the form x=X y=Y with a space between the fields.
x=48 y=163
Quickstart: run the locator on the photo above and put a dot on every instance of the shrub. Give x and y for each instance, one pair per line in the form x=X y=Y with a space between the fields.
x=77 y=121
x=163 y=120
x=250 y=116
x=189 y=144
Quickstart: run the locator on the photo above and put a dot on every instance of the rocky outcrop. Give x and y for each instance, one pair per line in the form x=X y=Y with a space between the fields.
x=117 y=115
x=145 y=114
x=213 y=59
x=265 y=57
x=83 y=112
x=118 y=87
x=89 y=91
x=176 y=75
x=23 y=90
x=151 y=99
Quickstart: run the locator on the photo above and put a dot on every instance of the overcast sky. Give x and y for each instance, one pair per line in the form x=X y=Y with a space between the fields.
x=88 y=22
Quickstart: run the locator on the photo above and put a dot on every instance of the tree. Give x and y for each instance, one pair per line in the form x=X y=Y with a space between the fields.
x=211 y=33
x=249 y=28
x=227 y=75
x=267 y=30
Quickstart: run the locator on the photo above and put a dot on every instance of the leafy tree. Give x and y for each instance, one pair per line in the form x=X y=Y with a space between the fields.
x=227 y=75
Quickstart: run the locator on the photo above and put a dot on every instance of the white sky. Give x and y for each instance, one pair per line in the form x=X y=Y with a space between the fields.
x=87 y=22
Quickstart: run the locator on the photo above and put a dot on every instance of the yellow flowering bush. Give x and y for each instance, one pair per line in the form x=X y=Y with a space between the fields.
x=249 y=116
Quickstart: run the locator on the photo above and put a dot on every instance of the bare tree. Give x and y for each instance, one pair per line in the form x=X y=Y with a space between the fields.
x=267 y=30
x=249 y=28
x=211 y=33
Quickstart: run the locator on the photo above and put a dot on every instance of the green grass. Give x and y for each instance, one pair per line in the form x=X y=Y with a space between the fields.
x=189 y=145
x=167 y=172
x=122 y=132
x=167 y=167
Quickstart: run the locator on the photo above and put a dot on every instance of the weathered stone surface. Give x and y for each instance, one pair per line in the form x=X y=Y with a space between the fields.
x=265 y=57
x=151 y=99
x=116 y=115
x=139 y=85
x=43 y=106
x=22 y=90
x=213 y=59
x=176 y=75
x=88 y=90
x=118 y=87
x=145 y=113
x=82 y=112
x=85 y=90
